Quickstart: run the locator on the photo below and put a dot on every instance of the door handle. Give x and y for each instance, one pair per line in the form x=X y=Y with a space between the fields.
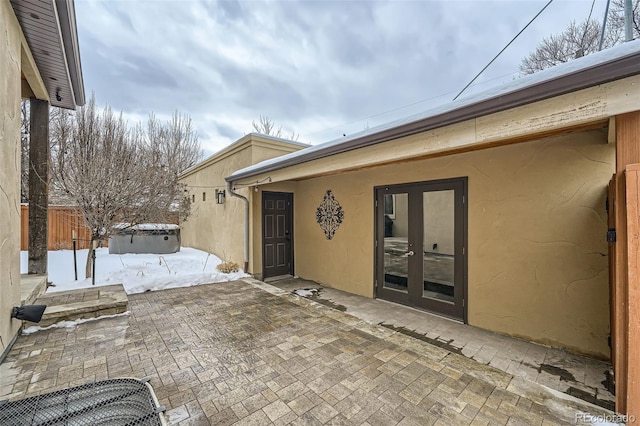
x=409 y=253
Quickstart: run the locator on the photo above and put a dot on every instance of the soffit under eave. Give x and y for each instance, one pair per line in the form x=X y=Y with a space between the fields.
x=25 y=90
x=44 y=51
x=67 y=16
x=31 y=74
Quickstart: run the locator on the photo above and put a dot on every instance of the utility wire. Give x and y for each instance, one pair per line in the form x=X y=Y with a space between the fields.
x=503 y=49
x=586 y=27
x=405 y=106
x=604 y=25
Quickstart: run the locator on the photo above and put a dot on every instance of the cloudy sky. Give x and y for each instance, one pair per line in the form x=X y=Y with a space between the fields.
x=319 y=68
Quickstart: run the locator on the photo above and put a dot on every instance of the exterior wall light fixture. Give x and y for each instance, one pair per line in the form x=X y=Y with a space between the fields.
x=220 y=194
x=31 y=313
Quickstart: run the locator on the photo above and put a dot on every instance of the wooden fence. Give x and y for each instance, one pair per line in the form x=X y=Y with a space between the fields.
x=62 y=221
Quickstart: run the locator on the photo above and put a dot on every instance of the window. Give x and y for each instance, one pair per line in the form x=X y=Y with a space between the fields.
x=204 y=196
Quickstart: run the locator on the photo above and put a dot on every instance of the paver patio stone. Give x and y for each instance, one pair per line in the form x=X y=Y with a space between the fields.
x=551 y=367
x=245 y=353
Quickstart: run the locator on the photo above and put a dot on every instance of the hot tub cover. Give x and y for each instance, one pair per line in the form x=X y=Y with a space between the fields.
x=107 y=402
x=146 y=226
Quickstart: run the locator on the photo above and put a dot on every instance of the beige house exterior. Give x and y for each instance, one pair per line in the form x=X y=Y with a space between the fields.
x=516 y=182
x=537 y=265
x=219 y=228
x=31 y=50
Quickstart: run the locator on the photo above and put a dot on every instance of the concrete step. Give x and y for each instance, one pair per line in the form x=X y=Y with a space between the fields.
x=32 y=287
x=82 y=303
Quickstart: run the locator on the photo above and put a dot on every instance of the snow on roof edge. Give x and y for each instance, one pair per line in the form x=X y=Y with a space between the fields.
x=238 y=142
x=278 y=139
x=549 y=74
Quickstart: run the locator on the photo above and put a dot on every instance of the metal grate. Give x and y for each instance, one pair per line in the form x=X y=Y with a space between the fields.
x=108 y=402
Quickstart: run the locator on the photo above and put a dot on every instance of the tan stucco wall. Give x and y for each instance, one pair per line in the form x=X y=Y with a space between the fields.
x=10 y=88
x=219 y=228
x=537 y=256
x=216 y=228
x=265 y=151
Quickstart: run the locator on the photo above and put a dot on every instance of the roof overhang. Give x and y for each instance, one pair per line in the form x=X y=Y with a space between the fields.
x=49 y=27
x=598 y=69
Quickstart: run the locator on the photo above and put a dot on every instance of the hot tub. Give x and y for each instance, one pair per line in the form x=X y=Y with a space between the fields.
x=156 y=238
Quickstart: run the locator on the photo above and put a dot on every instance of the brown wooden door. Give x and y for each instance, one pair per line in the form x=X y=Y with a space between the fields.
x=277 y=234
x=421 y=239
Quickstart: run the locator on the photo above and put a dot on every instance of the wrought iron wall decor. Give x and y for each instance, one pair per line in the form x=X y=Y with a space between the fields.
x=329 y=214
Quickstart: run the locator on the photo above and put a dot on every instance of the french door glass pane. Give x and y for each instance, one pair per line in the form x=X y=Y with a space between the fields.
x=396 y=227
x=438 y=245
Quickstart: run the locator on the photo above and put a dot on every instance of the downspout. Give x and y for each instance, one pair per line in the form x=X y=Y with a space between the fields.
x=246 y=224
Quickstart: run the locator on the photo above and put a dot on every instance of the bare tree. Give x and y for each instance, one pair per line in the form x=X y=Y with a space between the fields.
x=266 y=126
x=25 y=130
x=174 y=142
x=175 y=146
x=615 y=21
x=113 y=174
x=580 y=40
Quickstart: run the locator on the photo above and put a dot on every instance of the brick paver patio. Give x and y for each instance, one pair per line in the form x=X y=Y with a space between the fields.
x=575 y=375
x=235 y=353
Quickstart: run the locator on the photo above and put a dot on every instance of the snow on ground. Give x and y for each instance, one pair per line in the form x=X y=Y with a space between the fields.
x=137 y=272
x=71 y=324
x=307 y=292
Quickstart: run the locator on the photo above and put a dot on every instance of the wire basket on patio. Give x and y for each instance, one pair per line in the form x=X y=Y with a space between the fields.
x=107 y=402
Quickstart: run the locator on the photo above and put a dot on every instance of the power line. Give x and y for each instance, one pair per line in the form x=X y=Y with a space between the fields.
x=604 y=25
x=503 y=49
x=405 y=106
x=586 y=27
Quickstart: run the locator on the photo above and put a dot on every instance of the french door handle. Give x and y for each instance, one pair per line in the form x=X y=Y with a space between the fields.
x=409 y=253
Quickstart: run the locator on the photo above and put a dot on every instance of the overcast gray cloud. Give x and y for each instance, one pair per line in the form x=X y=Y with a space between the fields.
x=321 y=68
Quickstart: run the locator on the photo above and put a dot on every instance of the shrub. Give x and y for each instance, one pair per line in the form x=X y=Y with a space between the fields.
x=228 y=267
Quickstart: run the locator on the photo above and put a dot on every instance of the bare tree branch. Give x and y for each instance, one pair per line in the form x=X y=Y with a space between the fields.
x=580 y=40
x=266 y=126
x=119 y=175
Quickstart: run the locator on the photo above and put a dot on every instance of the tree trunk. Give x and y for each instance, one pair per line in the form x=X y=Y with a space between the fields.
x=89 y=265
x=38 y=186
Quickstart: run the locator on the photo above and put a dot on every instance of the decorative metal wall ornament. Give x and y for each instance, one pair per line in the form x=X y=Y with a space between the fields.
x=329 y=215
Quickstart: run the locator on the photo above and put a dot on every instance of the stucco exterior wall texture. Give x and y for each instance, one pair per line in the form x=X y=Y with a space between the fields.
x=216 y=228
x=219 y=228
x=10 y=87
x=537 y=255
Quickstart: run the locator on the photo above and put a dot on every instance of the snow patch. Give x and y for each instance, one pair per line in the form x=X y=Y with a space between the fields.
x=136 y=272
x=307 y=292
x=70 y=324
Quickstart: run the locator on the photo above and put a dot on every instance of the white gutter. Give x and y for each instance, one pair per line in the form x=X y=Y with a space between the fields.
x=246 y=224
